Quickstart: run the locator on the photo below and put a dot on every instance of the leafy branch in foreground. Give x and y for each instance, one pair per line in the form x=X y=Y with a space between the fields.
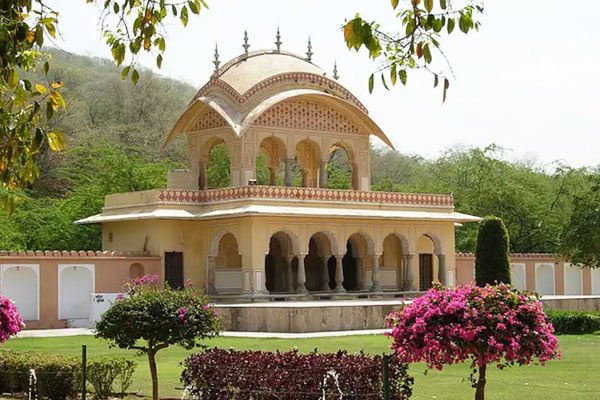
x=423 y=24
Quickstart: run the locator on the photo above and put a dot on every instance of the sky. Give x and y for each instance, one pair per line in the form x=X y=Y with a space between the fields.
x=527 y=81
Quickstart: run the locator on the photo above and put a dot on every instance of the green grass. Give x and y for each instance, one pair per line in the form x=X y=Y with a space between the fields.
x=575 y=376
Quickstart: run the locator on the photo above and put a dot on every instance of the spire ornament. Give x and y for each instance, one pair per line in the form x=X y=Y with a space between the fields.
x=309 y=52
x=216 y=61
x=278 y=41
x=335 y=71
x=246 y=45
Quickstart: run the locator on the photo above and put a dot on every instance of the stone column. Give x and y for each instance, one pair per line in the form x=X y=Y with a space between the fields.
x=354 y=176
x=410 y=278
x=339 y=274
x=375 y=274
x=325 y=274
x=287 y=180
x=323 y=175
x=301 y=278
x=210 y=275
x=202 y=178
x=289 y=274
x=272 y=176
x=359 y=274
x=442 y=268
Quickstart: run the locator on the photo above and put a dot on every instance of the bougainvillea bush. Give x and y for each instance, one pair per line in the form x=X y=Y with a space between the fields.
x=484 y=325
x=149 y=319
x=11 y=321
x=243 y=375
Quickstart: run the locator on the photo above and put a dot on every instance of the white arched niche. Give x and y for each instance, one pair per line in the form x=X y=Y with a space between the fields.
x=21 y=284
x=573 y=279
x=75 y=284
x=518 y=275
x=544 y=278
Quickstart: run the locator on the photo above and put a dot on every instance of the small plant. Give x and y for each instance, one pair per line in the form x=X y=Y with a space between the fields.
x=150 y=319
x=105 y=372
x=486 y=325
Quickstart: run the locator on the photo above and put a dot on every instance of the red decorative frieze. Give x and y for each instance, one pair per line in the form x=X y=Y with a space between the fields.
x=305 y=194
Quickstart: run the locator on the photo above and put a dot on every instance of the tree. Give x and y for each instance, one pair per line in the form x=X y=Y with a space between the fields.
x=11 y=321
x=149 y=319
x=27 y=107
x=491 y=324
x=581 y=236
x=492 y=264
x=422 y=26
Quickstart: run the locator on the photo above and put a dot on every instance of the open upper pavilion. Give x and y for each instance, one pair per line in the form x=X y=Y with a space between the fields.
x=294 y=235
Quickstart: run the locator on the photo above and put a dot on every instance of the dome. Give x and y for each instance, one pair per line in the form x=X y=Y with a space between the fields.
x=248 y=85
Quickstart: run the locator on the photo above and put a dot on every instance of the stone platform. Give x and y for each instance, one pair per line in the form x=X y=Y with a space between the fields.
x=307 y=316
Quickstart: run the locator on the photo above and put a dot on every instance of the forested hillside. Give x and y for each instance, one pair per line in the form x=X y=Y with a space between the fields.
x=115 y=134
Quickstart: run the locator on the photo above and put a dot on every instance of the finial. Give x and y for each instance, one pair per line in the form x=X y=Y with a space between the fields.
x=216 y=61
x=245 y=45
x=278 y=41
x=335 y=71
x=309 y=53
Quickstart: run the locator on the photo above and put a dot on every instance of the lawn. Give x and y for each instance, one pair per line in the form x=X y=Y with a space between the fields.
x=575 y=376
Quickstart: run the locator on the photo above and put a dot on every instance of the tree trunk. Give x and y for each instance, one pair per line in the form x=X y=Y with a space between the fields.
x=480 y=389
x=153 y=373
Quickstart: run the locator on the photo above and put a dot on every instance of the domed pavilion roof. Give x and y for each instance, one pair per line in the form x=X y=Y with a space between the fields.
x=248 y=85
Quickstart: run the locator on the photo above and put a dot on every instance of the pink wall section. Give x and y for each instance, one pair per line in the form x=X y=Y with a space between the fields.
x=111 y=271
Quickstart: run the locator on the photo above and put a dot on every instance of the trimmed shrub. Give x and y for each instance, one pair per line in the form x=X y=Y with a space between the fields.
x=220 y=374
x=57 y=377
x=104 y=372
x=574 y=322
x=492 y=263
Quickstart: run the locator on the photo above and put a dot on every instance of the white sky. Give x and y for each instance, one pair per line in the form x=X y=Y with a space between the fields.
x=528 y=81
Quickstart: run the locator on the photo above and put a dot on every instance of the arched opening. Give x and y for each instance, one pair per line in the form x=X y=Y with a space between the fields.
x=340 y=170
x=270 y=164
x=136 y=270
x=76 y=282
x=544 y=278
x=425 y=248
x=350 y=266
x=317 y=263
x=20 y=283
x=279 y=265
x=218 y=173
x=392 y=274
x=227 y=266
x=354 y=262
x=308 y=156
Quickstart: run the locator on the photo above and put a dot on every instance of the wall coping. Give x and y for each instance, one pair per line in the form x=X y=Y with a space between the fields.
x=74 y=254
x=303 y=193
x=513 y=255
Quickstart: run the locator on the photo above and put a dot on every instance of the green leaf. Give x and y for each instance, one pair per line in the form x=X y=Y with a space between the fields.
x=46 y=68
x=429 y=5
x=446 y=86
x=443 y=4
x=465 y=22
x=174 y=10
x=159 y=59
x=125 y=71
x=56 y=140
x=371 y=83
x=13 y=78
x=49 y=110
x=451 y=24
x=384 y=82
x=395 y=3
x=40 y=88
x=393 y=74
x=410 y=27
x=135 y=76
x=403 y=76
x=39 y=35
x=184 y=15
x=427 y=53
x=194 y=6
x=116 y=7
x=435 y=80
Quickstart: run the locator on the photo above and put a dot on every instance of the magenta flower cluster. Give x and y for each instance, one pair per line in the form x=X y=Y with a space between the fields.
x=11 y=321
x=145 y=280
x=491 y=324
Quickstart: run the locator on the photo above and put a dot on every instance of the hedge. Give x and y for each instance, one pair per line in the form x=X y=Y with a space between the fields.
x=574 y=322
x=218 y=374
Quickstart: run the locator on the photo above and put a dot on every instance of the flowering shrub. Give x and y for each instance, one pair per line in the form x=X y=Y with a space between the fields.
x=149 y=319
x=225 y=374
x=491 y=324
x=11 y=321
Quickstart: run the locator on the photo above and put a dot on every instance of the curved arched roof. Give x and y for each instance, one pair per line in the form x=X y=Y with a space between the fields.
x=241 y=90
